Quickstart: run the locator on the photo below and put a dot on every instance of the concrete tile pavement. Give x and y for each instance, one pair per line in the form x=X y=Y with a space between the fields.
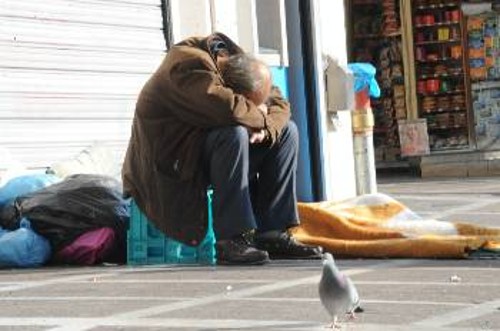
x=397 y=294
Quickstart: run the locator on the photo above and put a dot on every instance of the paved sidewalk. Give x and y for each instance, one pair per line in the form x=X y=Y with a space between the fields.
x=397 y=294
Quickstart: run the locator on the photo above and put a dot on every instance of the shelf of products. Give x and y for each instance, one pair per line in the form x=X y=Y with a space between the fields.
x=432 y=4
x=484 y=61
x=376 y=38
x=441 y=73
x=424 y=25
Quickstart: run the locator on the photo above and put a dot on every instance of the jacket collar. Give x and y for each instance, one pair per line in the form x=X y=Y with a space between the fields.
x=219 y=41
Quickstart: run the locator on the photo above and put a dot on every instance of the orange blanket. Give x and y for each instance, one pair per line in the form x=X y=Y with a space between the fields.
x=376 y=225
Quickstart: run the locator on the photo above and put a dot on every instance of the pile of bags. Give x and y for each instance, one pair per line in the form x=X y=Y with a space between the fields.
x=80 y=219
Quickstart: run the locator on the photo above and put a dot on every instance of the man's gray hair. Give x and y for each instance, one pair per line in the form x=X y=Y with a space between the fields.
x=241 y=73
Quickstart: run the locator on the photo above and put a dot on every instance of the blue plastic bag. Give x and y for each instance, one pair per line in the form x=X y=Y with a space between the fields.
x=364 y=77
x=23 y=247
x=22 y=185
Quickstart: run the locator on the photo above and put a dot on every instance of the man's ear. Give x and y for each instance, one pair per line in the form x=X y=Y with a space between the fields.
x=257 y=97
x=221 y=60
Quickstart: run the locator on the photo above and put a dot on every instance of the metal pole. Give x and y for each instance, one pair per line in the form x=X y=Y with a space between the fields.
x=364 y=156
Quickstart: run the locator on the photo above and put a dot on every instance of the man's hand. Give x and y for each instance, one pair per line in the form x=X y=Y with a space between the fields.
x=257 y=136
x=263 y=108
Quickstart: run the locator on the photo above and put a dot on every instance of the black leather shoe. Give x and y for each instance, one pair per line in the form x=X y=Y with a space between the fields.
x=239 y=251
x=281 y=245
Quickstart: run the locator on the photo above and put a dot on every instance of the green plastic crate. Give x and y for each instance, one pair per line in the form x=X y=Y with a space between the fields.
x=148 y=245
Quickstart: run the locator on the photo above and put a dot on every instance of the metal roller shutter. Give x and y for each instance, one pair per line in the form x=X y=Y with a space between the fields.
x=70 y=72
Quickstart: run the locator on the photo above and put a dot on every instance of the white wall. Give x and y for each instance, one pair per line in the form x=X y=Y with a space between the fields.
x=190 y=18
x=338 y=149
x=333 y=31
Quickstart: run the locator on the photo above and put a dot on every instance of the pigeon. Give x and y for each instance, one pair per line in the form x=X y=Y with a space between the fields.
x=337 y=292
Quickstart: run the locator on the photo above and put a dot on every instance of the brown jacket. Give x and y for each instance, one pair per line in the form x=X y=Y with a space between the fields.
x=183 y=99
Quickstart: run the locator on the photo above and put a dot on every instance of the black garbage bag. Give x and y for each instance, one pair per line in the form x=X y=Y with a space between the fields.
x=63 y=211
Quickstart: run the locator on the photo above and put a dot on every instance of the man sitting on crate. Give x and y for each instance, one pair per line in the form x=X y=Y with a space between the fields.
x=209 y=117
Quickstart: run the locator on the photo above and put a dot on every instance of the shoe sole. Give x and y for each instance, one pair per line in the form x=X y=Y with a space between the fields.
x=235 y=263
x=289 y=257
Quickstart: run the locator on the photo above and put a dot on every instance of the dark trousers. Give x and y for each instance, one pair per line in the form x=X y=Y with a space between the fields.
x=254 y=184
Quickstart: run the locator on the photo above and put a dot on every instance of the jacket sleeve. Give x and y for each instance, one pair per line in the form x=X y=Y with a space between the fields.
x=199 y=97
x=278 y=114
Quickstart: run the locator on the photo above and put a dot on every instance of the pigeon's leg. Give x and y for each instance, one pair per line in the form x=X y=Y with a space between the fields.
x=352 y=314
x=335 y=324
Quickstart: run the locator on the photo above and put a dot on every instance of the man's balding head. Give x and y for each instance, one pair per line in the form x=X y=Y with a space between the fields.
x=248 y=76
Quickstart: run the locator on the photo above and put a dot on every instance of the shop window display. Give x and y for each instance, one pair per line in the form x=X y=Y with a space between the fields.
x=376 y=39
x=442 y=79
x=484 y=61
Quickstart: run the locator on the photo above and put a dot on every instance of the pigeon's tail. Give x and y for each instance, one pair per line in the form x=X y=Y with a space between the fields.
x=358 y=308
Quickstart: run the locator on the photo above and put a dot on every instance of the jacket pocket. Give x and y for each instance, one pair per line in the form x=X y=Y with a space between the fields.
x=174 y=170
